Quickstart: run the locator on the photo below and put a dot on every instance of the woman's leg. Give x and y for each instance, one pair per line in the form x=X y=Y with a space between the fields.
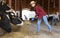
x=38 y=25
x=46 y=22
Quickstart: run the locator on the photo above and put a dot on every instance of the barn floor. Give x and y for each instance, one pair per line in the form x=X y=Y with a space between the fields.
x=29 y=31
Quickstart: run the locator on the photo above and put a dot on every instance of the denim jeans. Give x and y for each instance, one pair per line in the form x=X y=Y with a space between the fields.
x=45 y=21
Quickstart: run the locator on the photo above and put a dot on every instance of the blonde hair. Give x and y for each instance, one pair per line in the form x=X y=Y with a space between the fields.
x=32 y=2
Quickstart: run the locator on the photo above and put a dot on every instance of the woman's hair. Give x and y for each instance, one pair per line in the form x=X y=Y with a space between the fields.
x=36 y=3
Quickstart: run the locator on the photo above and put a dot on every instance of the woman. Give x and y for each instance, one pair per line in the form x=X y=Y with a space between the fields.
x=40 y=13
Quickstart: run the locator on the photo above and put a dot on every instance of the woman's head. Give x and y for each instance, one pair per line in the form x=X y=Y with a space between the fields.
x=33 y=3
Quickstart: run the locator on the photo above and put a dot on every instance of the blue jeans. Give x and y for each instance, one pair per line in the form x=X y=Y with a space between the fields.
x=45 y=21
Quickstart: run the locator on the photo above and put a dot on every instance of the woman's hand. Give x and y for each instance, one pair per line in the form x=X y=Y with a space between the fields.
x=36 y=17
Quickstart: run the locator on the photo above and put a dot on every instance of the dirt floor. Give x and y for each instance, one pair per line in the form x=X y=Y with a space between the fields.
x=29 y=31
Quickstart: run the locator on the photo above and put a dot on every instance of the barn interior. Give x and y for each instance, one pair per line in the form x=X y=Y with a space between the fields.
x=28 y=28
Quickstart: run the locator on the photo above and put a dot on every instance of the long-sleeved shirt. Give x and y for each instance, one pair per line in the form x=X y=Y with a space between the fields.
x=39 y=12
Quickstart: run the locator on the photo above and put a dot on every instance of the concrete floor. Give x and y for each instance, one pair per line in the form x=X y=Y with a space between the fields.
x=29 y=31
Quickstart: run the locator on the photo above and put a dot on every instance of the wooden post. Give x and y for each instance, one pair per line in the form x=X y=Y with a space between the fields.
x=48 y=6
x=10 y=1
x=15 y=4
x=59 y=6
x=54 y=6
x=59 y=9
x=20 y=9
x=43 y=3
x=19 y=5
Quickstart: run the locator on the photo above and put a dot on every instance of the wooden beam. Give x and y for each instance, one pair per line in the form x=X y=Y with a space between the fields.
x=15 y=4
x=59 y=6
x=48 y=6
x=10 y=1
x=20 y=8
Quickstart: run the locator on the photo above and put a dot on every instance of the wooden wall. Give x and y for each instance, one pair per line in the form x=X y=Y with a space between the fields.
x=49 y=8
